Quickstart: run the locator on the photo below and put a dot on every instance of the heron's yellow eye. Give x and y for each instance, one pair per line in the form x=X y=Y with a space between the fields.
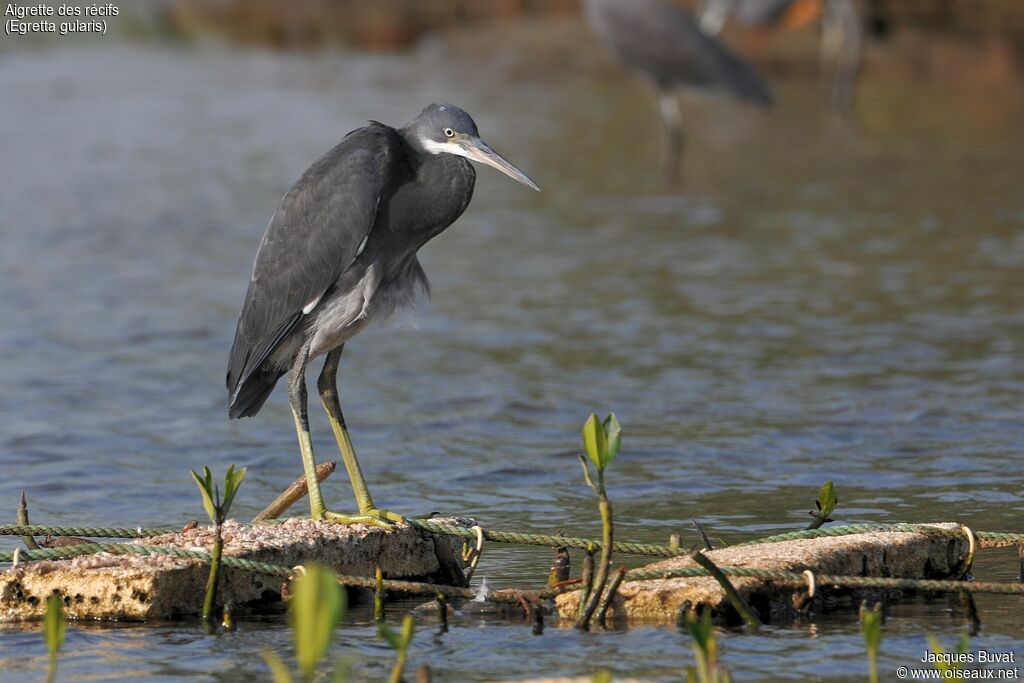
x=449 y=133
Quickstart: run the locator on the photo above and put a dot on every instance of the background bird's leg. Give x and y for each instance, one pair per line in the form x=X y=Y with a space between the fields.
x=842 y=43
x=328 y=387
x=672 y=119
x=297 y=398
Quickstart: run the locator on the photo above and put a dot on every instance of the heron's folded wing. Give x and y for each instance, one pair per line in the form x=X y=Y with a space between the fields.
x=314 y=235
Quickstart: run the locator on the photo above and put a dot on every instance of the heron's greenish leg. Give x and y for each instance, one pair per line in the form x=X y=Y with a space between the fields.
x=675 y=139
x=327 y=384
x=297 y=398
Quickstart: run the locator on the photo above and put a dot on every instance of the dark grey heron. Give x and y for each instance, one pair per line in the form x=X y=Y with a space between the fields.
x=339 y=252
x=663 y=46
x=842 y=39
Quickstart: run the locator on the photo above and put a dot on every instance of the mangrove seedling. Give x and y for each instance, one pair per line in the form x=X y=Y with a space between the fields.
x=218 y=510
x=826 y=505
x=54 y=629
x=586 y=579
x=705 y=649
x=735 y=599
x=948 y=664
x=871 y=626
x=400 y=642
x=601 y=440
x=378 y=595
x=314 y=611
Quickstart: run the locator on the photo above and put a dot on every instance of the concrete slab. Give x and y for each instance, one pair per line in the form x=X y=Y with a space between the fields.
x=889 y=554
x=132 y=587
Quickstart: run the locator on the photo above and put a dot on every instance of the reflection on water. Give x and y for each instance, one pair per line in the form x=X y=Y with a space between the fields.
x=813 y=306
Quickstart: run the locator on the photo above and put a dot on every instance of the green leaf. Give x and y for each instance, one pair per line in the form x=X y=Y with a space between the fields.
x=595 y=441
x=964 y=644
x=871 y=627
x=206 y=488
x=315 y=610
x=827 y=500
x=232 y=482
x=951 y=670
x=389 y=635
x=54 y=625
x=613 y=433
x=278 y=671
x=586 y=473
x=703 y=634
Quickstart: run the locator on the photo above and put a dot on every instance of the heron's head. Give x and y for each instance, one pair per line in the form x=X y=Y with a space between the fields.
x=446 y=129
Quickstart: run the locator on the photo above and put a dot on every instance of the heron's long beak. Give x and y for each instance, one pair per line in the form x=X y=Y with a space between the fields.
x=478 y=150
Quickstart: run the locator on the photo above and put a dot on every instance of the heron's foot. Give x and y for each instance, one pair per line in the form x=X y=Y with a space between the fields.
x=382 y=518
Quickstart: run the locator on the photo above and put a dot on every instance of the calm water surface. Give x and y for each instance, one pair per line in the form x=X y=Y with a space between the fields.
x=814 y=305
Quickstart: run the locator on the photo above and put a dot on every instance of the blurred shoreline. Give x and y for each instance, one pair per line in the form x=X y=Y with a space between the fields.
x=954 y=39
x=965 y=43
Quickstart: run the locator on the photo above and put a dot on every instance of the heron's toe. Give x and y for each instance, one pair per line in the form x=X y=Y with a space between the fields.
x=382 y=518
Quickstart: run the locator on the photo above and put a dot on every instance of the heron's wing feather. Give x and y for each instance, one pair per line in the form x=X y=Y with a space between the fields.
x=662 y=42
x=313 y=237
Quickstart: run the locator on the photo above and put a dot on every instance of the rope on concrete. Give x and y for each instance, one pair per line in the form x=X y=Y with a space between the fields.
x=84 y=531
x=986 y=539
x=548 y=540
x=838 y=581
x=417 y=588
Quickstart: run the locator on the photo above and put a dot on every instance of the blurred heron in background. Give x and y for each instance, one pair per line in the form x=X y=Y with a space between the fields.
x=339 y=252
x=663 y=46
x=842 y=38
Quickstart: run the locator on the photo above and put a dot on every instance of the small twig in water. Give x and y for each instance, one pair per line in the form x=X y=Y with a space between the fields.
x=378 y=595
x=703 y=536
x=23 y=518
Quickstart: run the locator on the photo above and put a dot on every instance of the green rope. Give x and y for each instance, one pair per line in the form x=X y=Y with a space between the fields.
x=84 y=531
x=69 y=551
x=548 y=540
x=986 y=539
x=414 y=587
x=830 y=580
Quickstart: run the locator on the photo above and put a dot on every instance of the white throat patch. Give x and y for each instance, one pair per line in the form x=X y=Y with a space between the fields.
x=441 y=147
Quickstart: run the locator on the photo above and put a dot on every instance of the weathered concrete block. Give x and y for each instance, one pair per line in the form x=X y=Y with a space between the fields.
x=133 y=587
x=888 y=554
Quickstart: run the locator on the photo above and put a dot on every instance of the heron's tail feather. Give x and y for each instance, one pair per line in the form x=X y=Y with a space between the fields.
x=253 y=393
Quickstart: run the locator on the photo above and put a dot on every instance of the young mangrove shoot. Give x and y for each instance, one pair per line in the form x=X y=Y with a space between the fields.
x=378 y=595
x=705 y=649
x=735 y=599
x=218 y=510
x=314 y=611
x=826 y=504
x=948 y=664
x=601 y=440
x=400 y=642
x=871 y=627
x=54 y=629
